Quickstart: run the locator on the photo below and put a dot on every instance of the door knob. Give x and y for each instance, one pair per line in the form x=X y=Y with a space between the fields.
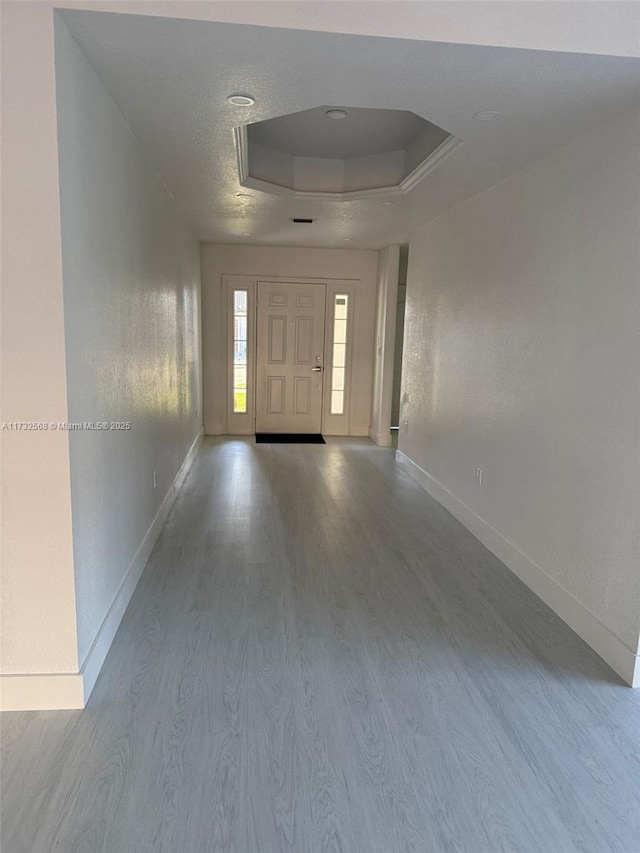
x=316 y=369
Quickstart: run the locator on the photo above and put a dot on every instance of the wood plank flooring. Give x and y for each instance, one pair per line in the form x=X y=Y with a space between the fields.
x=320 y=658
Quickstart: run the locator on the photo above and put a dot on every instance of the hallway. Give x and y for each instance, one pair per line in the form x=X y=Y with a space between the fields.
x=320 y=658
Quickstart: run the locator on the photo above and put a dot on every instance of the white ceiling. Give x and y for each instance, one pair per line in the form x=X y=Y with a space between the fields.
x=170 y=79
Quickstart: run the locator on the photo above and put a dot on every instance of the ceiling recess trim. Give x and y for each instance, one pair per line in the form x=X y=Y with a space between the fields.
x=421 y=171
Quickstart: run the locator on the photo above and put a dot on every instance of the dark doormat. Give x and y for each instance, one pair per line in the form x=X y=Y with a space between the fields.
x=289 y=438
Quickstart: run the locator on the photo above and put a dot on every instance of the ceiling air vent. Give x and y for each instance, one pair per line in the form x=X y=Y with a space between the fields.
x=306 y=221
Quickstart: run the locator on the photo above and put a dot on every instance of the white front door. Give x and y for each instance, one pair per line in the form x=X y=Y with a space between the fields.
x=290 y=357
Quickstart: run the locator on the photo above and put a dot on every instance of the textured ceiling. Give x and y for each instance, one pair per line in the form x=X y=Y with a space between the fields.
x=170 y=79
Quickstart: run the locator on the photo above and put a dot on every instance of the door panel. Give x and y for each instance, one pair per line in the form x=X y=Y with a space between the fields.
x=304 y=339
x=302 y=396
x=290 y=349
x=277 y=339
x=276 y=395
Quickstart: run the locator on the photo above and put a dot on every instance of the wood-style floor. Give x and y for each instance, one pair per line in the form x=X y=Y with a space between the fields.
x=320 y=658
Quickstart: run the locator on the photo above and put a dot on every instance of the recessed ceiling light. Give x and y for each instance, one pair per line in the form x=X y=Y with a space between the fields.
x=336 y=114
x=486 y=115
x=247 y=234
x=241 y=100
x=387 y=203
x=347 y=239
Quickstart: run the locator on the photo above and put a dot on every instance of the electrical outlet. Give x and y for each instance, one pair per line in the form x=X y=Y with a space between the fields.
x=155 y=478
x=479 y=476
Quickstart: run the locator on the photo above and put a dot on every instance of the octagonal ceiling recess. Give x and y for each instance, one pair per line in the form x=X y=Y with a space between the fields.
x=309 y=155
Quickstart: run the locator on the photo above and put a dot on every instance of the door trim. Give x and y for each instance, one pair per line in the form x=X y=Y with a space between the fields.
x=245 y=423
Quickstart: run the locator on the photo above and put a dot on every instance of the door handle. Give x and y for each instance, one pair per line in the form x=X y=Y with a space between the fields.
x=316 y=369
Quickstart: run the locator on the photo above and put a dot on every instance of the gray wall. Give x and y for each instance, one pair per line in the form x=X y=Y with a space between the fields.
x=386 y=305
x=397 y=356
x=521 y=357
x=131 y=309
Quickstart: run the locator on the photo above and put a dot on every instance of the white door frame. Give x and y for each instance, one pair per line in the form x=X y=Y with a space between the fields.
x=244 y=423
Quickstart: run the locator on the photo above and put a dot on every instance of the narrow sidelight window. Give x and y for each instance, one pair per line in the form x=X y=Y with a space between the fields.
x=239 y=351
x=339 y=353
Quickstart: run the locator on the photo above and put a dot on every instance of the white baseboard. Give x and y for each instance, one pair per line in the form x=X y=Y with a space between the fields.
x=58 y=691
x=620 y=657
x=47 y=692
